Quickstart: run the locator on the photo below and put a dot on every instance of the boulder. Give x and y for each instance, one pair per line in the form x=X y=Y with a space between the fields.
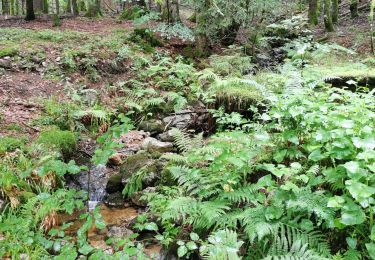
x=153 y=145
x=114 y=184
x=182 y=120
x=135 y=162
x=5 y=64
x=136 y=197
x=154 y=126
x=114 y=200
x=166 y=136
x=119 y=232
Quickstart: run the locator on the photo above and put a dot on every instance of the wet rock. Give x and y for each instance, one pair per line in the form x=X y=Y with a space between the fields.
x=119 y=232
x=182 y=120
x=37 y=59
x=134 y=163
x=166 y=136
x=5 y=63
x=153 y=145
x=153 y=126
x=114 y=200
x=136 y=198
x=114 y=184
x=115 y=159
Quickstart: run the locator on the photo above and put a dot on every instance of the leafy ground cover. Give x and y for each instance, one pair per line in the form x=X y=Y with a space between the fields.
x=288 y=174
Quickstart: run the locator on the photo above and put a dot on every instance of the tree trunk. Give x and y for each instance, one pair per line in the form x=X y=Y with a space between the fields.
x=45 y=6
x=30 y=15
x=335 y=11
x=175 y=11
x=75 y=8
x=202 y=39
x=57 y=6
x=5 y=7
x=12 y=7
x=68 y=6
x=354 y=8
x=313 y=12
x=327 y=16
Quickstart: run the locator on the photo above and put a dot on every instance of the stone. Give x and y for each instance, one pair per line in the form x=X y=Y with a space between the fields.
x=115 y=159
x=135 y=162
x=166 y=136
x=136 y=197
x=154 y=126
x=119 y=232
x=114 y=200
x=153 y=145
x=182 y=120
x=5 y=64
x=114 y=184
x=37 y=59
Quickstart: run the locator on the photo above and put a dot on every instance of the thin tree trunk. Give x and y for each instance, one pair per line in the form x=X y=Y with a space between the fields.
x=57 y=5
x=313 y=12
x=335 y=11
x=175 y=13
x=30 y=15
x=12 y=7
x=45 y=6
x=75 y=8
x=327 y=16
x=354 y=8
x=202 y=39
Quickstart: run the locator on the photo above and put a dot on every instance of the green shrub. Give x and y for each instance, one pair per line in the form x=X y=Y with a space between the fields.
x=132 y=14
x=146 y=38
x=64 y=141
x=9 y=144
x=8 y=51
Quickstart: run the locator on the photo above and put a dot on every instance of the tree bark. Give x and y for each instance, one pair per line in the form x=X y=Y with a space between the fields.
x=327 y=16
x=313 y=12
x=354 y=8
x=45 y=6
x=202 y=39
x=75 y=8
x=335 y=11
x=30 y=15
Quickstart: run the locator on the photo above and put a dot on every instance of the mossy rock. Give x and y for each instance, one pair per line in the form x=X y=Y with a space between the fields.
x=135 y=162
x=114 y=184
x=153 y=126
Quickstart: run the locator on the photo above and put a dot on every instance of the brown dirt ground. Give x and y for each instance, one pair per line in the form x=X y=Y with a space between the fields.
x=81 y=24
x=350 y=33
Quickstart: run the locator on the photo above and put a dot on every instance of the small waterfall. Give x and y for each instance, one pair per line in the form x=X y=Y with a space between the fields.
x=96 y=183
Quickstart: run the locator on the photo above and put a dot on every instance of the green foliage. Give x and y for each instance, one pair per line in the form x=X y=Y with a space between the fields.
x=64 y=141
x=8 y=51
x=10 y=144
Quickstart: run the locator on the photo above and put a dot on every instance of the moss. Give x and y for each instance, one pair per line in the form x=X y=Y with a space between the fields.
x=8 y=51
x=10 y=144
x=64 y=141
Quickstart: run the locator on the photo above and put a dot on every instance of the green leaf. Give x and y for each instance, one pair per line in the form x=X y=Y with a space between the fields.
x=191 y=245
x=371 y=249
x=335 y=202
x=352 y=243
x=372 y=235
x=358 y=190
x=151 y=226
x=194 y=236
x=181 y=251
x=316 y=156
x=85 y=249
x=352 y=214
